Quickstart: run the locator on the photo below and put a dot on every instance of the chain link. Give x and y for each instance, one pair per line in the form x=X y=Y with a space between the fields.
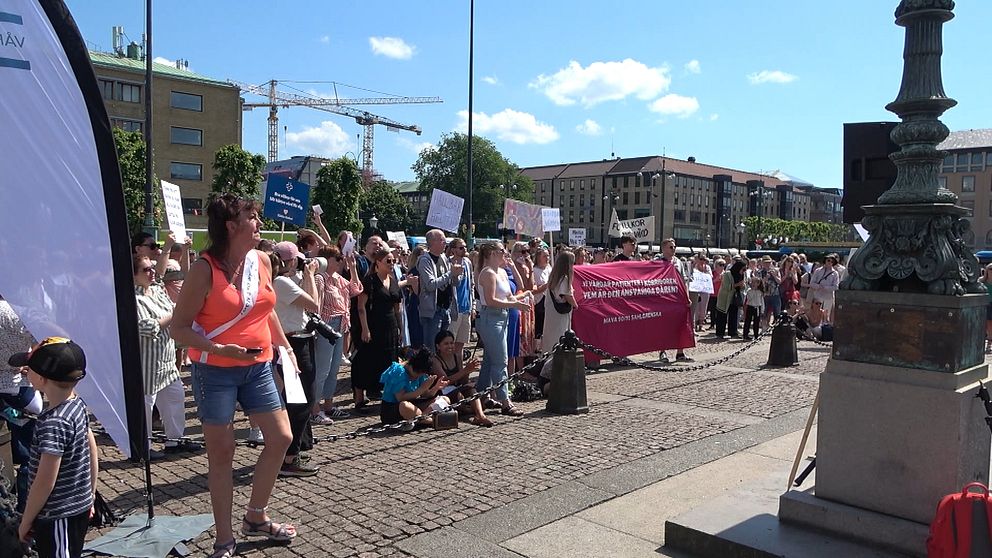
x=708 y=364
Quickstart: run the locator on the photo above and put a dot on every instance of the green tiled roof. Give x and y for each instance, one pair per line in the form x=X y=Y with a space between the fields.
x=109 y=60
x=407 y=187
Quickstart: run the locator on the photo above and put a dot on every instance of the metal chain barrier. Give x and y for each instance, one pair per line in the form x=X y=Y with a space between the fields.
x=368 y=431
x=702 y=366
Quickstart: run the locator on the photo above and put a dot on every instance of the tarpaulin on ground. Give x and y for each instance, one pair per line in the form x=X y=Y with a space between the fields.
x=627 y=308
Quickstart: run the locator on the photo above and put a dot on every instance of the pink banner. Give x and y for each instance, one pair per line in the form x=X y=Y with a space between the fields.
x=628 y=308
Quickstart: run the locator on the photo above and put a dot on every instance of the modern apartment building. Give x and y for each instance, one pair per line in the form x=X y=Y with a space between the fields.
x=698 y=204
x=967 y=171
x=193 y=117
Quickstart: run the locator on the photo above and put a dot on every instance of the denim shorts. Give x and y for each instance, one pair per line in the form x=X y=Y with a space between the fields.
x=217 y=389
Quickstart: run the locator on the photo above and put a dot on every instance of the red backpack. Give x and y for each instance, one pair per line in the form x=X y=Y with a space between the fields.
x=950 y=532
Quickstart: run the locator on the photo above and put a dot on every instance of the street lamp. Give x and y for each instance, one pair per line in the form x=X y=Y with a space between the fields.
x=373 y=222
x=612 y=197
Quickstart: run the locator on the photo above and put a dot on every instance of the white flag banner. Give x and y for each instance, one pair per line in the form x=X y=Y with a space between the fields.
x=641 y=228
x=445 y=211
x=62 y=210
x=173 y=200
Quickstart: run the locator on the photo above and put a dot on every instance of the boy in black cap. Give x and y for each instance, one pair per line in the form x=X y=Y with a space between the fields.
x=63 y=466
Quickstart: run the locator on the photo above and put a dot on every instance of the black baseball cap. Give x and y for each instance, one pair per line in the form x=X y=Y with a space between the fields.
x=55 y=358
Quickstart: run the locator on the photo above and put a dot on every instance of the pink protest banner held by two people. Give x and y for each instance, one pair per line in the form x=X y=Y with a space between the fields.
x=628 y=308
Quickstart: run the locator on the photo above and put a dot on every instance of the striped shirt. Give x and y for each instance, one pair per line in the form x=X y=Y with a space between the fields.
x=158 y=350
x=62 y=431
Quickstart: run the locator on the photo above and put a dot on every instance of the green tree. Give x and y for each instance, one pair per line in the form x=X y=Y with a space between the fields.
x=131 y=159
x=338 y=191
x=797 y=231
x=494 y=177
x=391 y=209
x=237 y=172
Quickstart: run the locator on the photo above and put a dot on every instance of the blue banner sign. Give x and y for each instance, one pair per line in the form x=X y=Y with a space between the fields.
x=286 y=200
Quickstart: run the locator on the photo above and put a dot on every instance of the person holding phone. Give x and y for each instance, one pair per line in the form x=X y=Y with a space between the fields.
x=228 y=295
x=409 y=389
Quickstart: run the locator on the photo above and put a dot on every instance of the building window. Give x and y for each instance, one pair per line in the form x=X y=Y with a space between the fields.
x=948 y=164
x=561 y=185
x=582 y=184
x=592 y=181
x=942 y=181
x=571 y=184
x=186 y=171
x=129 y=93
x=185 y=136
x=976 y=161
x=988 y=238
x=625 y=200
x=193 y=206
x=642 y=212
x=107 y=89
x=126 y=124
x=186 y=101
x=967 y=183
x=637 y=198
x=680 y=215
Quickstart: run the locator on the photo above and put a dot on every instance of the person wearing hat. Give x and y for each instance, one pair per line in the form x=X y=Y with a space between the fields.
x=823 y=283
x=64 y=465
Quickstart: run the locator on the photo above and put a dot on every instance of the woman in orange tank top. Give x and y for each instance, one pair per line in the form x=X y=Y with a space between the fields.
x=225 y=315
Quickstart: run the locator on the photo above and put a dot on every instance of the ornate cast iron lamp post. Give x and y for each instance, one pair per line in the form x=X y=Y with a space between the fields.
x=916 y=228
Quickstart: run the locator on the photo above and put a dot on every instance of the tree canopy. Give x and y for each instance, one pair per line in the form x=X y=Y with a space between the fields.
x=338 y=191
x=797 y=231
x=237 y=172
x=131 y=158
x=392 y=210
x=494 y=177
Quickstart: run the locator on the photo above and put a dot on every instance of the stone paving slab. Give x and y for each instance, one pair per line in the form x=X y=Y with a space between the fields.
x=383 y=495
x=752 y=394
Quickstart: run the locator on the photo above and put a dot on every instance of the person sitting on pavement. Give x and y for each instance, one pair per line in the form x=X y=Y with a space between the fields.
x=163 y=388
x=409 y=389
x=448 y=366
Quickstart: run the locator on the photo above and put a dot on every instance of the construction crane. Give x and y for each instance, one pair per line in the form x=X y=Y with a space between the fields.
x=334 y=105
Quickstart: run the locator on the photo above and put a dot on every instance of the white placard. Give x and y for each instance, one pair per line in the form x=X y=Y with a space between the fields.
x=701 y=282
x=317 y=210
x=551 y=219
x=173 y=199
x=576 y=237
x=862 y=232
x=445 y=211
x=349 y=246
x=291 y=379
x=399 y=237
x=641 y=228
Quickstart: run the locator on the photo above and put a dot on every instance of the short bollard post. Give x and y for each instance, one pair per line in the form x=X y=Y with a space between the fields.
x=567 y=393
x=782 y=351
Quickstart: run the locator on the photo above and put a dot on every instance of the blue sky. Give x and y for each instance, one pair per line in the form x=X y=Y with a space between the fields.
x=731 y=83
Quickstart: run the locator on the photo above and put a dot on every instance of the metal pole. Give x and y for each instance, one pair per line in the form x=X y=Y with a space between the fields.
x=469 y=241
x=149 y=224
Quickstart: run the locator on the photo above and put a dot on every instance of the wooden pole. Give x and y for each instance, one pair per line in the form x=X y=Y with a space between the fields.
x=802 y=443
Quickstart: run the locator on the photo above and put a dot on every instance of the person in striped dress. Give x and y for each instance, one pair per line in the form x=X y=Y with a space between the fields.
x=158 y=360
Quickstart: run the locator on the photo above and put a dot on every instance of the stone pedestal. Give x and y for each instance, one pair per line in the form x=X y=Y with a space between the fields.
x=900 y=425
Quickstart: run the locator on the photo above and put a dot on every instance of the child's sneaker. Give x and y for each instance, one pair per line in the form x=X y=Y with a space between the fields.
x=255 y=436
x=337 y=413
x=321 y=419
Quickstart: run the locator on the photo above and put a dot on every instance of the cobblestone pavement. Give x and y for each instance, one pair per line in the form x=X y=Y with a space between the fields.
x=374 y=491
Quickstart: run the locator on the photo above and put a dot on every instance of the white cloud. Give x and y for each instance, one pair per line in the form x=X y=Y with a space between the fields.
x=491 y=80
x=770 y=76
x=166 y=61
x=714 y=117
x=693 y=67
x=603 y=81
x=327 y=140
x=509 y=125
x=414 y=146
x=589 y=128
x=392 y=47
x=675 y=105
x=325 y=39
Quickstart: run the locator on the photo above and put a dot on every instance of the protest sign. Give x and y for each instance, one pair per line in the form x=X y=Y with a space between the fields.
x=701 y=282
x=577 y=237
x=445 y=211
x=629 y=308
x=550 y=219
x=399 y=237
x=173 y=200
x=641 y=228
x=522 y=218
x=286 y=200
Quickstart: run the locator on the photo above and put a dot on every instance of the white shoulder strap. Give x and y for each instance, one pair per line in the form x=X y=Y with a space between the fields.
x=249 y=293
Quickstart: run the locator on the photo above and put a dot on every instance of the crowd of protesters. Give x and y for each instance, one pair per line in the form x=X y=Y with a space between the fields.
x=246 y=315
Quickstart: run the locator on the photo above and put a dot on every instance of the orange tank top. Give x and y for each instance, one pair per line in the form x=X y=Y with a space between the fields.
x=223 y=304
